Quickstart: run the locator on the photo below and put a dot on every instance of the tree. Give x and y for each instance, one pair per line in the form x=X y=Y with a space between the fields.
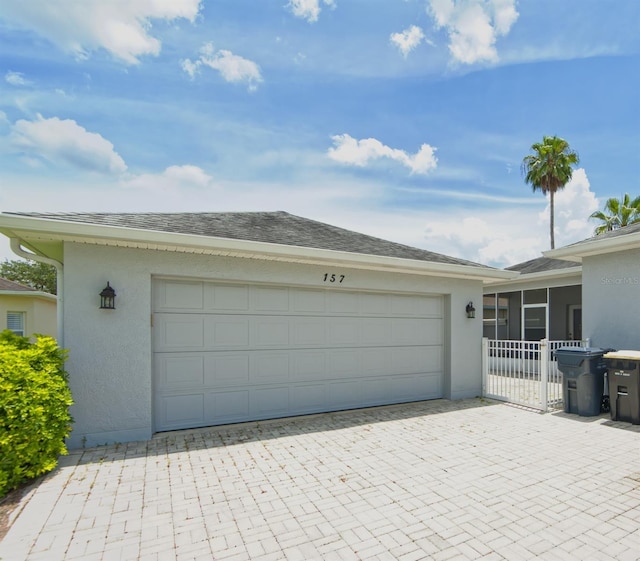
x=617 y=213
x=30 y=273
x=549 y=169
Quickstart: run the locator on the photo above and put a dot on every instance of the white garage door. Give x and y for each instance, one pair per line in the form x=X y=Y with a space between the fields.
x=226 y=353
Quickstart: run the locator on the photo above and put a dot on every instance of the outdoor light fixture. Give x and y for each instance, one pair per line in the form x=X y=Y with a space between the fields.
x=108 y=298
x=471 y=311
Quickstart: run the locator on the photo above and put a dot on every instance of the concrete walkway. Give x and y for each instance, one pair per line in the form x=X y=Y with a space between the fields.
x=441 y=480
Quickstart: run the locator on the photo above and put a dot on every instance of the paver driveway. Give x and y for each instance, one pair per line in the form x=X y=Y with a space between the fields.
x=471 y=479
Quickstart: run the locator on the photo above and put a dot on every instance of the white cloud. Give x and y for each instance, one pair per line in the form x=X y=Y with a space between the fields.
x=348 y=150
x=65 y=141
x=174 y=178
x=474 y=26
x=499 y=237
x=15 y=79
x=80 y=26
x=308 y=9
x=233 y=68
x=408 y=39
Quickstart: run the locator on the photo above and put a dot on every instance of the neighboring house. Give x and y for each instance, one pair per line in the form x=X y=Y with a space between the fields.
x=230 y=317
x=543 y=302
x=610 y=286
x=26 y=311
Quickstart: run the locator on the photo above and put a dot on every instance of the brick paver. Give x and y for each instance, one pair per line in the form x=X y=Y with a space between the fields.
x=464 y=480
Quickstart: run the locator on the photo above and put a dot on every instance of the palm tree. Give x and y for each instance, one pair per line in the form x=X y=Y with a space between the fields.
x=549 y=169
x=617 y=213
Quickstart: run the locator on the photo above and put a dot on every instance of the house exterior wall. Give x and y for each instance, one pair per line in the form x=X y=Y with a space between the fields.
x=611 y=296
x=110 y=354
x=40 y=314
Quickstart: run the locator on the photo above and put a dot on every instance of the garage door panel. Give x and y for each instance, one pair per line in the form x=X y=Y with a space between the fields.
x=308 y=365
x=271 y=299
x=339 y=303
x=227 y=353
x=374 y=304
x=432 y=359
x=270 y=332
x=343 y=332
x=179 y=295
x=342 y=395
x=182 y=410
x=375 y=391
x=178 y=332
x=308 y=301
x=227 y=331
x=227 y=298
x=411 y=331
x=410 y=360
x=308 y=398
x=417 y=306
x=376 y=331
x=429 y=385
x=180 y=370
x=269 y=402
x=405 y=388
x=343 y=362
x=226 y=369
x=309 y=332
x=269 y=368
x=376 y=361
x=227 y=406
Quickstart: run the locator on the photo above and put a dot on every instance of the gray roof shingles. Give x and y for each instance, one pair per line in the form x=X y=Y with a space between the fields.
x=11 y=286
x=624 y=231
x=269 y=227
x=542 y=264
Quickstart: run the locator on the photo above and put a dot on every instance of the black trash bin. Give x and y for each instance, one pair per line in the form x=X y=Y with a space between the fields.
x=583 y=371
x=624 y=385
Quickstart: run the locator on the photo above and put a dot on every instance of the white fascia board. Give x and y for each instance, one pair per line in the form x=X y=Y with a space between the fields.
x=28 y=228
x=595 y=246
x=29 y=293
x=552 y=278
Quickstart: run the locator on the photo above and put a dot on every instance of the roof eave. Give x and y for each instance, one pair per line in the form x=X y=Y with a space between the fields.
x=40 y=229
x=29 y=293
x=595 y=246
x=526 y=278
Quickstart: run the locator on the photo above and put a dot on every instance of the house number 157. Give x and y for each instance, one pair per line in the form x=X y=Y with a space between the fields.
x=331 y=277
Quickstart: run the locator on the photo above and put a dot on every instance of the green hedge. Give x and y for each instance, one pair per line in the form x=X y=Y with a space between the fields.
x=34 y=408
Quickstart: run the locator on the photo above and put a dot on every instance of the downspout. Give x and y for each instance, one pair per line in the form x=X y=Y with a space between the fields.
x=17 y=248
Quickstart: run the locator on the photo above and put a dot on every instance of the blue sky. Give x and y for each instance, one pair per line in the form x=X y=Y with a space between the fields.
x=403 y=119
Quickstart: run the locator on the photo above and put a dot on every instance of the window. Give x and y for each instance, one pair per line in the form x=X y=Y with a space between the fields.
x=15 y=322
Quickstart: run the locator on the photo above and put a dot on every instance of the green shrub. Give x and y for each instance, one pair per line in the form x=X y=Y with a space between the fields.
x=34 y=408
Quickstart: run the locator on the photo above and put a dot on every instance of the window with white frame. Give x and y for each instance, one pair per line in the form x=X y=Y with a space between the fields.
x=15 y=322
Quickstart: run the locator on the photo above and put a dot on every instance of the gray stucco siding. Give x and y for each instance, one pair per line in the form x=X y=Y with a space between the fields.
x=611 y=297
x=110 y=351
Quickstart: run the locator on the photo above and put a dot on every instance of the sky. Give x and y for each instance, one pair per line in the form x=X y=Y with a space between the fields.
x=403 y=119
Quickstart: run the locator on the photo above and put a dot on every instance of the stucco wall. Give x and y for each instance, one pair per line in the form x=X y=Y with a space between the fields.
x=611 y=300
x=40 y=313
x=110 y=351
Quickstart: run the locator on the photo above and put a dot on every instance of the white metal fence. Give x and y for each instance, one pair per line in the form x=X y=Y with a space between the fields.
x=523 y=372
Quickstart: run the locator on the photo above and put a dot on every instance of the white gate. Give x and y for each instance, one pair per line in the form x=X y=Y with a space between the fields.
x=523 y=372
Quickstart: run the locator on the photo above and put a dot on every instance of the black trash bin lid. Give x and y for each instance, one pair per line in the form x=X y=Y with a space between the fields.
x=582 y=351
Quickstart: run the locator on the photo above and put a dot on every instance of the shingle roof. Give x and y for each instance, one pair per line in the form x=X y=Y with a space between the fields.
x=269 y=227
x=542 y=264
x=6 y=284
x=624 y=231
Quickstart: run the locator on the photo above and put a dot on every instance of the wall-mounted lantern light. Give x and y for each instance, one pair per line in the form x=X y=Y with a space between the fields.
x=108 y=298
x=471 y=311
